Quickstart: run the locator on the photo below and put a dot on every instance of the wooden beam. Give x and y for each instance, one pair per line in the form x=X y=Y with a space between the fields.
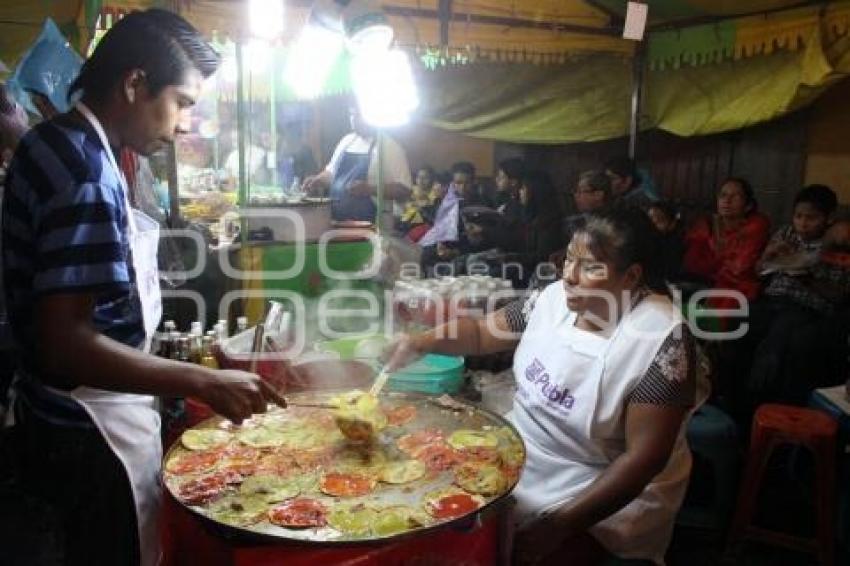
x=504 y=22
x=703 y=20
x=614 y=17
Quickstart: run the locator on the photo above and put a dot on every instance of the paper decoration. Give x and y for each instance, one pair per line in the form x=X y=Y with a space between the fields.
x=636 y=15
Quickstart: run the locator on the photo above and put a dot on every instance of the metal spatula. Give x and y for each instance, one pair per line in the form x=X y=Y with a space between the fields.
x=380 y=381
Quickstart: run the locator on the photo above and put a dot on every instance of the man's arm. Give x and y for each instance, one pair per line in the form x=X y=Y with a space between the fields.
x=321 y=180
x=71 y=349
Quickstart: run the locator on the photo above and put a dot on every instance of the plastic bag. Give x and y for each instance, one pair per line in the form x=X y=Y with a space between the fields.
x=48 y=67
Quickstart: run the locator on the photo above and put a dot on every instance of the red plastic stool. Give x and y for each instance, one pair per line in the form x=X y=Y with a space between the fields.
x=780 y=424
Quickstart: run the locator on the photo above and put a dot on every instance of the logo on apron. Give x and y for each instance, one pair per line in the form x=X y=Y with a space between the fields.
x=558 y=397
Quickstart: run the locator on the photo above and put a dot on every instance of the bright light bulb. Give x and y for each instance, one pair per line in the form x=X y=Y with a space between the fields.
x=257 y=56
x=266 y=18
x=375 y=37
x=310 y=60
x=229 y=71
x=384 y=86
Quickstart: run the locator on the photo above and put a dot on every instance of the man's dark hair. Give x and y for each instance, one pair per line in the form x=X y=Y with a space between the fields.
x=158 y=42
x=464 y=167
x=624 y=167
x=514 y=168
x=821 y=197
x=443 y=177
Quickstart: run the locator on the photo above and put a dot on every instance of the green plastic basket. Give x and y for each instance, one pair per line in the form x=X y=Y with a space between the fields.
x=433 y=373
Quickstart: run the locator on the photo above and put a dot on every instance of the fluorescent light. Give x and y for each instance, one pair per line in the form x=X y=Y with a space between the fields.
x=228 y=70
x=384 y=86
x=258 y=56
x=376 y=37
x=311 y=58
x=265 y=18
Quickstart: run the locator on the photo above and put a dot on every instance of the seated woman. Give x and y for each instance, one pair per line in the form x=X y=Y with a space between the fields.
x=541 y=221
x=724 y=248
x=607 y=375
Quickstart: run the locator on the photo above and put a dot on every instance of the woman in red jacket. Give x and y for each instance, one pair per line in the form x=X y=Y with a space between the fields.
x=725 y=247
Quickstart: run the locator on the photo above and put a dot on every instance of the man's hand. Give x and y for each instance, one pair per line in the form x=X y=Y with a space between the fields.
x=315 y=185
x=236 y=395
x=445 y=252
x=475 y=232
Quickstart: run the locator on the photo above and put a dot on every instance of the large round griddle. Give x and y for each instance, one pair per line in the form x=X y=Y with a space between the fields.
x=430 y=414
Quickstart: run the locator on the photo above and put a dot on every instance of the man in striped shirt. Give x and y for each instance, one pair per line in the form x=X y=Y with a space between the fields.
x=74 y=303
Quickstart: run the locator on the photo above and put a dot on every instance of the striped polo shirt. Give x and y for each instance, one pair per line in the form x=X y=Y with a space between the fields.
x=64 y=230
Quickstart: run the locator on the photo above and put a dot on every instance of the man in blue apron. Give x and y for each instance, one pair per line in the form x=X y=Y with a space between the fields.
x=351 y=176
x=83 y=295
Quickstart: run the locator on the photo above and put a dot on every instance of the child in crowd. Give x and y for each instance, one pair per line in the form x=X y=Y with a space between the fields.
x=803 y=292
x=418 y=212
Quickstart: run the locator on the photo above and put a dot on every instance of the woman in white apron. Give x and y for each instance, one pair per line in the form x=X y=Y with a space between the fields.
x=84 y=300
x=607 y=375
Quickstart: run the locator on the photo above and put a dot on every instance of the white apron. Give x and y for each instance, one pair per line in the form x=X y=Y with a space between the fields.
x=129 y=422
x=570 y=410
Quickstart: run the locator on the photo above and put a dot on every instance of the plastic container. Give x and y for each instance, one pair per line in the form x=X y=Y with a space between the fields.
x=433 y=373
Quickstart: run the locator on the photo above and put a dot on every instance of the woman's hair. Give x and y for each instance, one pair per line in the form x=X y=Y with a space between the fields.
x=626 y=236
x=597 y=180
x=542 y=198
x=514 y=168
x=819 y=196
x=158 y=42
x=746 y=188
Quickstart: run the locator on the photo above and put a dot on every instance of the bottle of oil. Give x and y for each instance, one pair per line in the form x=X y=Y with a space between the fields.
x=184 y=351
x=166 y=342
x=207 y=358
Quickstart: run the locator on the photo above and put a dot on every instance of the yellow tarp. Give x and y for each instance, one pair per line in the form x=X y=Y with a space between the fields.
x=582 y=100
x=588 y=99
x=716 y=98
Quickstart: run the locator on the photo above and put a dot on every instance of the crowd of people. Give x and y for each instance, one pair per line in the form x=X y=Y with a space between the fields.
x=601 y=409
x=792 y=287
